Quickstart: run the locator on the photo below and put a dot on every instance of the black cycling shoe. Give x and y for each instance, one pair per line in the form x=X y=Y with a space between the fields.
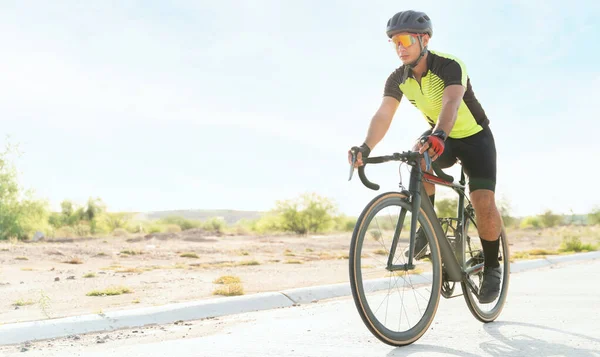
x=420 y=245
x=490 y=287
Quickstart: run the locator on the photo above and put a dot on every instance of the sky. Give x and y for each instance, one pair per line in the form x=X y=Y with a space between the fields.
x=237 y=104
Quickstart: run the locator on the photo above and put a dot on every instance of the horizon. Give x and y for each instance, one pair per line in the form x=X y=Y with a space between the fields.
x=125 y=102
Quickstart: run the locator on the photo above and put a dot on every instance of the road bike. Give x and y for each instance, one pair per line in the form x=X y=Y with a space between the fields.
x=386 y=280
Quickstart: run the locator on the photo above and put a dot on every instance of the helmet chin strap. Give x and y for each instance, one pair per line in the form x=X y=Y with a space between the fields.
x=423 y=50
x=412 y=65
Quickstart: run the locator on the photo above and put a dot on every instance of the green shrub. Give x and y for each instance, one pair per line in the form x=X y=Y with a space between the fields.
x=268 y=223
x=117 y=220
x=594 y=216
x=309 y=213
x=154 y=228
x=172 y=228
x=549 y=219
x=182 y=222
x=531 y=222
x=214 y=225
x=82 y=229
x=572 y=243
x=344 y=223
x=446 y=207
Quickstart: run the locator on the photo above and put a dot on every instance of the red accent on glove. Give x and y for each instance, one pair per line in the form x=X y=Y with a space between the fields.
x=436 y=143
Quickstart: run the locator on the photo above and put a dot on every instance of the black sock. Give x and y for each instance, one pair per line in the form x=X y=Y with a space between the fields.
x=490 y=252
x=432 y=199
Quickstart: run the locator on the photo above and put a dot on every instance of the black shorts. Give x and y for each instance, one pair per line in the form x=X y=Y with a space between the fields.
x=477 y=154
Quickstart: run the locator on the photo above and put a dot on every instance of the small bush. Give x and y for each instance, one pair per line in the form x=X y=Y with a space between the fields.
x=227 y=279
x=82 y=229
x=74 y=260
x=248 y=262
x=189 y=255
x=181 y=222
x=293 y=261
x=172 y=228
x=344 y=223
x=214 y=225
x=154 y=228
x=117 y=290
x=89 y=275
x=380 y=252
x=230 y=290
x=542 y=252
x=269 y=223
x=375 y=234
x=531 y=222
x=129 y=270
x=132 y=252
x=21 y=258
x=549 y=219
x=572 y=243
x=22 y=302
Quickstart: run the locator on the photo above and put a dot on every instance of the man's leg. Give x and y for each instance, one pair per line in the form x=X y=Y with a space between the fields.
x=489 y=224
x=478 y=156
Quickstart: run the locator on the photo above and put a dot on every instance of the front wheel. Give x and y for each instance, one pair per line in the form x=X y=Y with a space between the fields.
x=396 y=305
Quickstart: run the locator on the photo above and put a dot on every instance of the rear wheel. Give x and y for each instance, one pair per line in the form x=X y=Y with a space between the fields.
x=397 y=306
x=474 y=257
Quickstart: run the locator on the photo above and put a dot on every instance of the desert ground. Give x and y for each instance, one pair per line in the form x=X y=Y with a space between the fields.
x=58 y=278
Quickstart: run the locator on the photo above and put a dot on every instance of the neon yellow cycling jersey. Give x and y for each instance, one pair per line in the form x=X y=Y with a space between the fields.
x=442 y=70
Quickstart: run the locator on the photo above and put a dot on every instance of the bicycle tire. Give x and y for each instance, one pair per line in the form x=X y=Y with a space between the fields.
x=426 y=216
x=471 y=299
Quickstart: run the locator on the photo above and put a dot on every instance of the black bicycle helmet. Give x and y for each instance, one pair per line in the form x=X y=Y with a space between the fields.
x=409 y=21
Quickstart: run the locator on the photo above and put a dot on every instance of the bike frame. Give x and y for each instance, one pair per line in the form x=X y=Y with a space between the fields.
x=453 y=259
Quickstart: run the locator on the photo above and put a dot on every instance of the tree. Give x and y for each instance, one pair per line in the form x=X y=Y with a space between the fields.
x=308 y=213
x=20 y=214
x=549 y=219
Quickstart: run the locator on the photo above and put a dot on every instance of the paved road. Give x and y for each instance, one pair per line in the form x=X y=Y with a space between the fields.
x=550 y=312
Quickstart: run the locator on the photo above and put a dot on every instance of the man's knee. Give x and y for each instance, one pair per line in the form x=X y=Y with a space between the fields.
x=484 y=201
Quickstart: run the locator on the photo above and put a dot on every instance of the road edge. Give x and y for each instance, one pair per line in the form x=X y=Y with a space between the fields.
x=16 y=333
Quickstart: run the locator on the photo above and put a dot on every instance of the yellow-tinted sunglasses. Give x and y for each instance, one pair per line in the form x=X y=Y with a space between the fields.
x=404 y=40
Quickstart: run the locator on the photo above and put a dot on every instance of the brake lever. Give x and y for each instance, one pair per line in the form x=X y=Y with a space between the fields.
x=354 y=154
x=427 y=161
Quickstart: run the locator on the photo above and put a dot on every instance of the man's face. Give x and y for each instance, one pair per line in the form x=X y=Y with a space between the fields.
x=407 y=45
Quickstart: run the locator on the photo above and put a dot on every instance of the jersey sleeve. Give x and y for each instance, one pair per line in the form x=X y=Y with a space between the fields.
x=454 y=72
x=392 y=85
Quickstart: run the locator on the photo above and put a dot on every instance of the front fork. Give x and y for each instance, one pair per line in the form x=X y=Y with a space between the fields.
x=414 y=193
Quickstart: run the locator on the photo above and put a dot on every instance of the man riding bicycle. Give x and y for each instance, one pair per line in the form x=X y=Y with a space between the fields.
x=438 y=85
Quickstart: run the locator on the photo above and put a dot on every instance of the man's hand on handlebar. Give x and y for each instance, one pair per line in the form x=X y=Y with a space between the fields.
x=432 y=143
x=362 y=152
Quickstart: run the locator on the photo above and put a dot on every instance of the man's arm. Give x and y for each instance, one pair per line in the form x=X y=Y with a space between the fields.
x=380 y=123
x=451 y=100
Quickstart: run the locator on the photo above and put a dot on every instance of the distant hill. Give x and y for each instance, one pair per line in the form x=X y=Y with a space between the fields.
x=230 y=216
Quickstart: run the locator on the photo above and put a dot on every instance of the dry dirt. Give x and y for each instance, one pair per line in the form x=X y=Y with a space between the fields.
x=37 y=274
